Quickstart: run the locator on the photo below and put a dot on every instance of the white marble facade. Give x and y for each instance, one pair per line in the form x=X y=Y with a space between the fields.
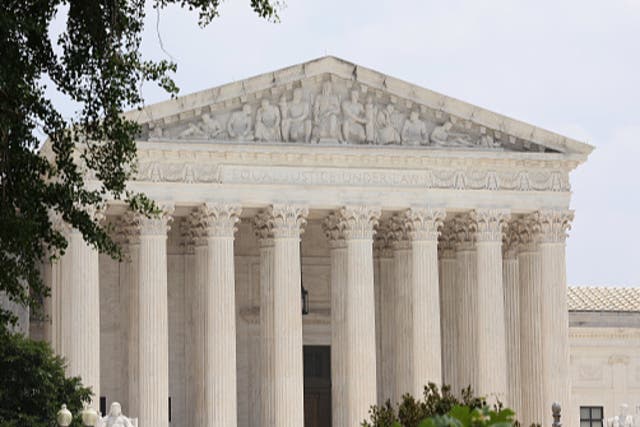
x=432 y=233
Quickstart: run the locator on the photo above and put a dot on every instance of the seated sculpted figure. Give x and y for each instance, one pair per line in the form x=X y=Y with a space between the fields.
x=387 y=133
x=209 y=127
x=240 y=124
x=267 y=122
x=296 y=123
x=443 y=136
x=354 y=119
x=414 y=131
x=115 y=418
x=325 y=115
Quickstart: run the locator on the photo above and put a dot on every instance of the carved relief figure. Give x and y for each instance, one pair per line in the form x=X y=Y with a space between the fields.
x=488 y=142
x=387 y=133
x=268 y=122
x=354 y=119
x=155 y=131
x=443 y=136
x=414 y=131
x=325 y=114
x=240 y=124
x=296 y=123
x=209 y=127
x=370 y=118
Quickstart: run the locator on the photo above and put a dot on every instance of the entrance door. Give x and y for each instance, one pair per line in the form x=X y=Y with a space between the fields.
x=317 y=386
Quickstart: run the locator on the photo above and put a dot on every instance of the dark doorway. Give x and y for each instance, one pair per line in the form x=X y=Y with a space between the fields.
x=317 y=386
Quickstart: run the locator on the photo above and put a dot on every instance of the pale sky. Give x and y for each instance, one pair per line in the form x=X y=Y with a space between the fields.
x=570 y=66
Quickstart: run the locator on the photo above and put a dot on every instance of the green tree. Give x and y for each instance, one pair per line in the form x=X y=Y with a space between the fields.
x=33 y=383
x=96 y=63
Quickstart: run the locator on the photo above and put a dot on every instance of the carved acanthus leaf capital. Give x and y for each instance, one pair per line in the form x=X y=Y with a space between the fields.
x=333 y=228
x=464 y=231
x=554 y=224
x=510 y=241
x=281 y=221
x=359 y=221
x=214 y=220
x=490 y=224
x=447 y=240
x=383 y=239
x=132 y=225
x=424 y=223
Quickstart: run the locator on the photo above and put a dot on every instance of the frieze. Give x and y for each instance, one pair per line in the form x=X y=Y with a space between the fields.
x=331 y=110
x=554 y=181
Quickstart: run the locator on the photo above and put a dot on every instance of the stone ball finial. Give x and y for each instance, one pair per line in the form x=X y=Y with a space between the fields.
x=64 y=417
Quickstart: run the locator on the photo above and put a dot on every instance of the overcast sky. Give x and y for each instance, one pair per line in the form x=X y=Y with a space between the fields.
x=570 y=66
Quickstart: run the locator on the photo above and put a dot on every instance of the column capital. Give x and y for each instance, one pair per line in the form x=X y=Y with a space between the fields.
x=214 y=220
x=554 y=224
x=447 y=240
x=383 y=239
x=134 y=224
x=424 y=223
x=510 y=241
x=333 y=228
x=464 y=231
x=359 y=221
x=489 y=224
x=281 y=221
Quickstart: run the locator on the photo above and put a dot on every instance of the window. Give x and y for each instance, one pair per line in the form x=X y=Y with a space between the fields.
x=591 y=416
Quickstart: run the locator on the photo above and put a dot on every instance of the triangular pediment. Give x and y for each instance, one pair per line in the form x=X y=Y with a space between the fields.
x=331 y=101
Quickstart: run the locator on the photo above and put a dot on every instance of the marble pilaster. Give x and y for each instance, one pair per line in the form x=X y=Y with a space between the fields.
x=359 y=306
x=279 y=228
x=491 y=350
x=215 y=227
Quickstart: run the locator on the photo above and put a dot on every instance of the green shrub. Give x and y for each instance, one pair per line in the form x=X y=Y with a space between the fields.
x=33 y=384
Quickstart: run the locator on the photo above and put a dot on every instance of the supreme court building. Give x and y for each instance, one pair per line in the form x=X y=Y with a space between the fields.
x=428 y=235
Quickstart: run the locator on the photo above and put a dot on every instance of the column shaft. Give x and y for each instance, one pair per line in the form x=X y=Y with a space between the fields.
x=466 y=312
x=492 y=353
x=338 y=344
x=530 y=335
x=448 y=309
x=80 y=316
x=201 y=259
x=133 y=341
x=359 y=306
x=510 y=278
x=281 y=316
x=153 y=323
x=402 y=270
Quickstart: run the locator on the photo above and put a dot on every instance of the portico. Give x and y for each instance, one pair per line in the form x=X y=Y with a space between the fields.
x=432 y=250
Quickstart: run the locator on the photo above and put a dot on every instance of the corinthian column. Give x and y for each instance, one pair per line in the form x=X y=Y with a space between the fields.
x=333 y=229
x=467 y=308
x=554 y=225
x=448 y=306
x=531 y=374
x=359 y=307
x=491 y=351
x=80 y=311
x=279 y=229
x=511 y=281
x=153 y=328
x=215 y=227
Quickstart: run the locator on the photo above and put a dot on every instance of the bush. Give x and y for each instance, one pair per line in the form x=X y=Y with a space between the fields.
x=439 y=408
x=33 y=385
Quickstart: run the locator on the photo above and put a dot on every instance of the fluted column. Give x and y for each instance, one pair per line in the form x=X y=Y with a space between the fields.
x=491 y=351
x=531 y=374
x=402 y=265
x=153 y=322
x=80 y=312
x=448 y=306
x=511 y=281
x=333 y=229
x=554 y=225
x=359 y=306
x=279 y=229
x=215 y=227
x=467 y=308
x=419 y=347
x=385 y=287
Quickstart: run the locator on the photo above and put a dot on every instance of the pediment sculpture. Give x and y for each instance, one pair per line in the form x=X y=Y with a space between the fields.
x=331 y=110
